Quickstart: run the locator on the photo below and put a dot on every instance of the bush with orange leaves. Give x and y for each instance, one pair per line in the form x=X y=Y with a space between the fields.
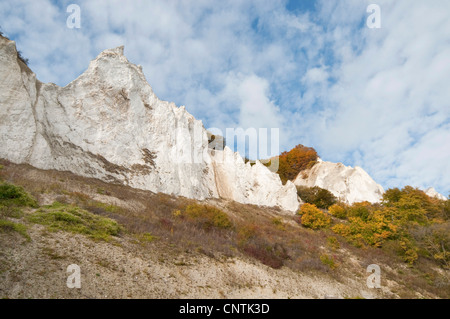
x=293 y=162
x=314 y=218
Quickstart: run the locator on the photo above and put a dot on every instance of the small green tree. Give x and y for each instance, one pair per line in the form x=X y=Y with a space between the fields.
x=317 y=196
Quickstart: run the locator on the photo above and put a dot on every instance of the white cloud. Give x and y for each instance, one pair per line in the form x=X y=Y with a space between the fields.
x=389 y=106
x=377 y=98
x=315 y=75
x=256 y=109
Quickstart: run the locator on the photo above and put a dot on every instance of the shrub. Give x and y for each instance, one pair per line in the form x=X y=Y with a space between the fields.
x=3 y=35
x=338 y=211
x=21 y=58
x=314 y=218
x=392 y=196
x=320 y=197
x=11 y=211
x=12 y=195
x=147 y=237
x=252 y=162
x=414 y=206
x=409 y=252
x=76 y=220
x=246 y=232
x=447 y=210
x=408 y=222
x=293 y=162
x=373 y=231
x=8 y=226
x=272 y=255
x=328 y=261
x=252 y=242
x=99 y=207
x=278 y=222
x=208 y=216
x=360 y=210
x=333 y=242
x=434 y=240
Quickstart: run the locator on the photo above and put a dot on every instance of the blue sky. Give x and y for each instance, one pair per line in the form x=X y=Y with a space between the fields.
x=376 y=98
x=300 y=6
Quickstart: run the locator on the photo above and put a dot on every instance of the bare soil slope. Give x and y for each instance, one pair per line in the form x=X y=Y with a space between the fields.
x=160 y=253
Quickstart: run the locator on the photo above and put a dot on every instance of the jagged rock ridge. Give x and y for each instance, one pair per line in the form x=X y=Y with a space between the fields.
x=348 y=184
x=433 y=193
x=108 y=124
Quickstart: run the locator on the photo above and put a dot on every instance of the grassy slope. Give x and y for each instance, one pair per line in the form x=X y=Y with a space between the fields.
x=162 y=248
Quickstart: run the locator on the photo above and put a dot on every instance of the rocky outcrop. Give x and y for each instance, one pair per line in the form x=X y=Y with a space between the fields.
x=108 y=124
x=248 y=183
x=349 y=184
x=433 y=193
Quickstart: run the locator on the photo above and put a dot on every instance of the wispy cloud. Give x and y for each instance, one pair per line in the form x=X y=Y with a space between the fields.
x=377 y=98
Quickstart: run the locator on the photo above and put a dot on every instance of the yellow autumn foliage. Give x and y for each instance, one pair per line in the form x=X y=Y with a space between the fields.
x=314 y=218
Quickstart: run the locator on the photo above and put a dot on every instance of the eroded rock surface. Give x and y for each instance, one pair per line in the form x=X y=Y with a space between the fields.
x=109 y=124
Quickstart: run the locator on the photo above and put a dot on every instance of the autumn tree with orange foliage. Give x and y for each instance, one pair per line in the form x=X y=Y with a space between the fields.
x=293 y=162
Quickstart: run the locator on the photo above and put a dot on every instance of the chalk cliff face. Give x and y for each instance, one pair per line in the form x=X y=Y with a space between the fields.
x=433 y=193
x=108 y=124
x=251 y=184
x=349 y=184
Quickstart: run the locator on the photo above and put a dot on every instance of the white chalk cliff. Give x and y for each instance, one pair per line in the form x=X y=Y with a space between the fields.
x=349 y=184
x=433 y=193
x=108 y=124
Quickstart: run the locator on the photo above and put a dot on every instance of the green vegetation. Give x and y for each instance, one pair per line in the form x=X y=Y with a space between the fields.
x=411 y=205
x=328 y=261
x=246 y=232
x=407 y=227
x=207 y=216
x=22 y=58
x=433 y=242
x=95 y=206
x=9 y=226
x=372 y=231
x=278 y=222
x=76 y=220
x=333 y=242
x=19 y=54
x=338 y=211
x=147 y=237
x=11 y=195
x=314 y=218
x=11 y=211
x=12 y=199
x=317 y=196
x=447 y=209
x=252 y=162
x=101 y=191
x=407 y=223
